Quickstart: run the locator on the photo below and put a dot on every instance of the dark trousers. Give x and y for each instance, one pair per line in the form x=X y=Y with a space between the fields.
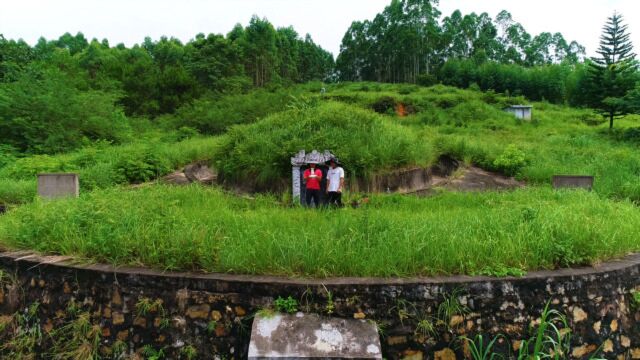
x=334 y=198
x=314 y=195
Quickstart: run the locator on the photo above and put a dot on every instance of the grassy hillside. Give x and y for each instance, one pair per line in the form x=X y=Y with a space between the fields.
x=371 y=127
x=194 y=228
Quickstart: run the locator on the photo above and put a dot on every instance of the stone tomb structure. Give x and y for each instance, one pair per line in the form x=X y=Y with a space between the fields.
x=522 y=112
x=572 y=181
x=52 y=186
x=214 y=313
x=299 y=164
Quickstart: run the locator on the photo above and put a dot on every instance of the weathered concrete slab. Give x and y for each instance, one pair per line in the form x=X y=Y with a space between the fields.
x=572 y=181
x=309 y=336
x=51 y=186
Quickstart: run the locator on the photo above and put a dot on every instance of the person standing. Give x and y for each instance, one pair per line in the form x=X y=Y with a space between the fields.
x=312 y=177
x=335 y=183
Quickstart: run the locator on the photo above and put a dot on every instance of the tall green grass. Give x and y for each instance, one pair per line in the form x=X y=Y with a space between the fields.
x=103 y=165
x=196 y=228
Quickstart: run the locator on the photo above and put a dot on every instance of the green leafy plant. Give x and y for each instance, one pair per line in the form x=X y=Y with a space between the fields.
x=551 y=338
x=188 y=352
x=634 y=300
x=118 y=350
x=403 y=310
x=480 y=349
x=330 y=307
x=152 y=353
x=449 y=308
x=288 y=305
x=211 y=326
x=426 y=327
x=145 y=306
x=510 y=161
x=141 y=168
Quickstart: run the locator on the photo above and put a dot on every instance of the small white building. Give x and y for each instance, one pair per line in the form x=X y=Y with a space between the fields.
x=520 y=111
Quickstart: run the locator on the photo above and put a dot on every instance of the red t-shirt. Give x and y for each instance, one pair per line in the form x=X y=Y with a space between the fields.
x=313 y=183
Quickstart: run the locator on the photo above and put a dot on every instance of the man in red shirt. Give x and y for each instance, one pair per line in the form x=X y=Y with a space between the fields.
x=312 y=177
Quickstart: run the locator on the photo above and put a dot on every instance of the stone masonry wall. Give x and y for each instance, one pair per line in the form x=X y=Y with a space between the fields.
x=213 y=313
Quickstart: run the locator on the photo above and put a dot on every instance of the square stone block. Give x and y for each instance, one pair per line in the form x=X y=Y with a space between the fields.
x=51 y=186
x=310 y=336
x=572 y=181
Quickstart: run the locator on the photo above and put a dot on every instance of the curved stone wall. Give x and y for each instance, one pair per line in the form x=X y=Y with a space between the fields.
x=213 y=312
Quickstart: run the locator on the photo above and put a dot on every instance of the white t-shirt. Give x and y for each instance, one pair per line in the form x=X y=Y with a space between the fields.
x=334 y=176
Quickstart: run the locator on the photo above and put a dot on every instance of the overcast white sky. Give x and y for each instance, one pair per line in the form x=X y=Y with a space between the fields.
x=129 y=21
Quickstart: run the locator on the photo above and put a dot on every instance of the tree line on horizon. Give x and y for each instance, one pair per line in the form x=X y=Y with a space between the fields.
x=156 y=77
x=59 y=94
x=409 y=41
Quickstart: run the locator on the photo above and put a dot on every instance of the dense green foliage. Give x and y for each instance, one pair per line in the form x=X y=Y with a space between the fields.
x=63 y=94
x=120 y=116
x=198 y=228
x=193 y=228
x=408 y=41
x=365 y=141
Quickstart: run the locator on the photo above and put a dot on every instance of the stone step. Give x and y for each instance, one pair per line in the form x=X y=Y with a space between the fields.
x=310 y=336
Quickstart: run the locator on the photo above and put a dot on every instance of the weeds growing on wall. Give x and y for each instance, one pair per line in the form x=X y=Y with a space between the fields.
x=550 y=339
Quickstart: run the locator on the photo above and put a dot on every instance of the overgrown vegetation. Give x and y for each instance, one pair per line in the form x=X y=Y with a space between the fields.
x=365 y=141
x=550 y=339
x=199 y=228
x=121 y=116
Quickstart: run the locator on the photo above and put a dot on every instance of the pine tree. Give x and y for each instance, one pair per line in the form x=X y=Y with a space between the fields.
x=614 y=73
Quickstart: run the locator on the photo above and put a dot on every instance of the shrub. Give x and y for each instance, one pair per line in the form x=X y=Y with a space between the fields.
x=186 y=132
x=29 y=167
x=510 y=161
x=7 y=155
x=143 y=167
x=45 y=112
x=427 y=79
x=214 y=115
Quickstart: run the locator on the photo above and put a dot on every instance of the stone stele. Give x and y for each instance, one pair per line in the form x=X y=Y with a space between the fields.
x=309 y=336
x=51 y=186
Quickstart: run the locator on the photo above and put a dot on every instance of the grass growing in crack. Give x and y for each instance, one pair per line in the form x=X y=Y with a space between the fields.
x=118 y=350
x=634 y=300
x=480 y=349
x=151 y=353
x=330 y=306
x=552 y=337
x=403 y=310
x=24 y=335
x=76 y=340
x=211 y=327
x=145 y=306
x=451 y=307
x=426 y=328
x=188 y=352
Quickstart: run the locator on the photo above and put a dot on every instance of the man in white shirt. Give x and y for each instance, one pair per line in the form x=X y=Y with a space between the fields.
x=335 y=183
